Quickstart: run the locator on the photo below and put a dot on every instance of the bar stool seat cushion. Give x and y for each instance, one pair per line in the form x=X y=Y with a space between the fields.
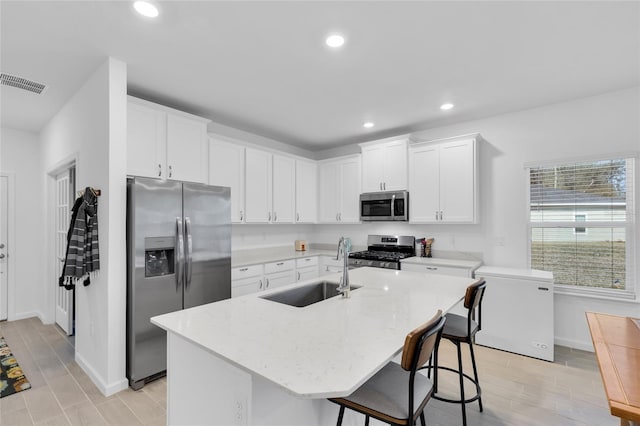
x=387 y=390
x=456 y=327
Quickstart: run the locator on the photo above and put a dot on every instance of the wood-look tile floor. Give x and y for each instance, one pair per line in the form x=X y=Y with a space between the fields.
x=516 y=390
x=61 y=393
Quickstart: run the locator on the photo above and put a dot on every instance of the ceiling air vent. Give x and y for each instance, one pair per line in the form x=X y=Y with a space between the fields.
x=22 y=83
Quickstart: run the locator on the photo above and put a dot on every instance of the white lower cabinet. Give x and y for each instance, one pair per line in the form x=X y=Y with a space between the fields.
x=457 y=268
x=254 y=278
x=438 y=269
x=329 y=265
x=277 y=274
x=246 y=279
x=306 y=268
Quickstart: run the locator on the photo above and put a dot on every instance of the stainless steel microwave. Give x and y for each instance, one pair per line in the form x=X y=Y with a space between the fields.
x=390 y=205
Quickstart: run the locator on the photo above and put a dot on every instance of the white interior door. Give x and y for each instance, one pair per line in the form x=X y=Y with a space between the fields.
x=64 y=199
x=4 y=229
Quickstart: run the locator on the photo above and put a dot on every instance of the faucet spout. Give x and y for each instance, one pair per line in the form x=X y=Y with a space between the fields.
x=344 y=247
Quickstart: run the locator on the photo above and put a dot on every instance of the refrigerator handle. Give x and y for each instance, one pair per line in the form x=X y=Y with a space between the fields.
x=189 y=250
x=179 y=259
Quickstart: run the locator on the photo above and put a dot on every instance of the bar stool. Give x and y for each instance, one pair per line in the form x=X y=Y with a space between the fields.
x=458 y=330
x=396 y=394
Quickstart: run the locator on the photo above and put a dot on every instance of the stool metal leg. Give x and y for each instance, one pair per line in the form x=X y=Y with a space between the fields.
x=340 y=415
x=461 y=375
x=475 y=374
x=422 y=420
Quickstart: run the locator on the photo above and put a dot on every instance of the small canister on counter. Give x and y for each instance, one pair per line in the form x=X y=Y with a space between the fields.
x=301 y=245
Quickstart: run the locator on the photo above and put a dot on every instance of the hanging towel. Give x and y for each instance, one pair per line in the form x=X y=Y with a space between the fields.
x=82 y=258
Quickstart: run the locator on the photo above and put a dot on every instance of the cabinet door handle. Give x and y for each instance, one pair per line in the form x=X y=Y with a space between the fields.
x=336 y=217
x=260 y=284
x=280 y=263
x=244 y=269
x=432 y=268
x=170 y=171
x=159 y=170
x=275 y=216
x=384 y=185
x=436 y=215
x=267 y=283
x=440 y=214
x=241 y=215
x=269 y=216
x=297 y=217
x=298 y=276
x=340 y=217
x=543 y=288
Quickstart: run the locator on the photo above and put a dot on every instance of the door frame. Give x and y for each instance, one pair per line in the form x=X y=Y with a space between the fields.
x=50 y=229
x=11 y=266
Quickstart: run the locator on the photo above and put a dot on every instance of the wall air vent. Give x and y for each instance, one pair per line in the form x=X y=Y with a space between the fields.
x=22 y=83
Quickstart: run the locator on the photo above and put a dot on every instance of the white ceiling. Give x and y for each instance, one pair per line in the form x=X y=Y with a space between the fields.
x=262 y=66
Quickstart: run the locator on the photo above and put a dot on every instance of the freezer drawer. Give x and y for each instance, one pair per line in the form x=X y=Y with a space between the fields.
x=518 y=311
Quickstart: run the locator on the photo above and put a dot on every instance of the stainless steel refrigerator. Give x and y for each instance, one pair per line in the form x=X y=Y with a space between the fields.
x=178 y=256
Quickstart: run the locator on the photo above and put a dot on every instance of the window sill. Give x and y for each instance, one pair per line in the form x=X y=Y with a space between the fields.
x=593 y=293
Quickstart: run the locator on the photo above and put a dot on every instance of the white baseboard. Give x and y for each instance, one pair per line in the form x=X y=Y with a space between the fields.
x=30 y=314
x=107 y=389
x=574 y=344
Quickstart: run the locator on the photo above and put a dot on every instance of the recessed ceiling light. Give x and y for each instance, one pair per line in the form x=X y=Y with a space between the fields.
x=368 y=125
x=335 y=40
x=146 y=9
x=445 y=107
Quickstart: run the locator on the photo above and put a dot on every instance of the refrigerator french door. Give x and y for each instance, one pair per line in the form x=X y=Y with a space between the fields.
x=178 y=256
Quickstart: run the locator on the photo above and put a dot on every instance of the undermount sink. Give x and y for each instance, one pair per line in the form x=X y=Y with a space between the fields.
x=306 y=295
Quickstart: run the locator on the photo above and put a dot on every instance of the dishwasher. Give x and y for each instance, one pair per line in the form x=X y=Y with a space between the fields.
x=517 y=311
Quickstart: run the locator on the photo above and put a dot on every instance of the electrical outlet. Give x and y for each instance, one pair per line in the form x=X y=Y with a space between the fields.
x=241 y=410
x=539 y=345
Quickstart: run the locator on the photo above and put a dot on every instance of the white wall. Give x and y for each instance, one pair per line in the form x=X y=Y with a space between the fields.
x=19 y=157
x=92 y=127
x=592 y=126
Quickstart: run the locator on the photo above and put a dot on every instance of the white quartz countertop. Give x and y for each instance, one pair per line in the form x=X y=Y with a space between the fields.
x=327 y=349
x=432 y=261
x=273 y=254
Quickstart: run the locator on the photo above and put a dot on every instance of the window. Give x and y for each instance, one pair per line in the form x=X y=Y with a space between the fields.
x=581 y=224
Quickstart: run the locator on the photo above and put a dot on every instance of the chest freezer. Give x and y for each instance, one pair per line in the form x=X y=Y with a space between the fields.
x=518 y=311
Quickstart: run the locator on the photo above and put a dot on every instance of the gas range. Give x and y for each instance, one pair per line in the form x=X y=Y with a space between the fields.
x=384 y=251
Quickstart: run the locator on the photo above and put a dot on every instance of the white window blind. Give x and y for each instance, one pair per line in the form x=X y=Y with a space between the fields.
x=581 y=222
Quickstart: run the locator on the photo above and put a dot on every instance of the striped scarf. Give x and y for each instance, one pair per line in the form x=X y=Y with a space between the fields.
x=82 y=256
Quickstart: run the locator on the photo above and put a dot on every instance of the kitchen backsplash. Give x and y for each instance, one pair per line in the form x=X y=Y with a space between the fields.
x=460 y=243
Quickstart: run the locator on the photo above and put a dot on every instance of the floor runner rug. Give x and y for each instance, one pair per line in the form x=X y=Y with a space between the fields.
x=12 y=378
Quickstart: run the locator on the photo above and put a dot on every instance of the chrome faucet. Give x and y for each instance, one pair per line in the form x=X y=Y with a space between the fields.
x=344 y=247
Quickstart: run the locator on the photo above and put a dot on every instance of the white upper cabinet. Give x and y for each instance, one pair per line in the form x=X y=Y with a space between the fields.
x=258 y=186
x=283 y=188
x=269 y=187
x=146 y=131
x=165 y=143
x=306 y=192
x=226 y=168
x=384 y=165
x=339 y=190
x=443 y=181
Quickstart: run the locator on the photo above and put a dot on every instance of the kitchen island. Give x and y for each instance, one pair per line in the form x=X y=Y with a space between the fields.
x=253 y=361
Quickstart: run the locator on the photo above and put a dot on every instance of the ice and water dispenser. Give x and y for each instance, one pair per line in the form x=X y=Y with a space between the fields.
x=159 y=255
